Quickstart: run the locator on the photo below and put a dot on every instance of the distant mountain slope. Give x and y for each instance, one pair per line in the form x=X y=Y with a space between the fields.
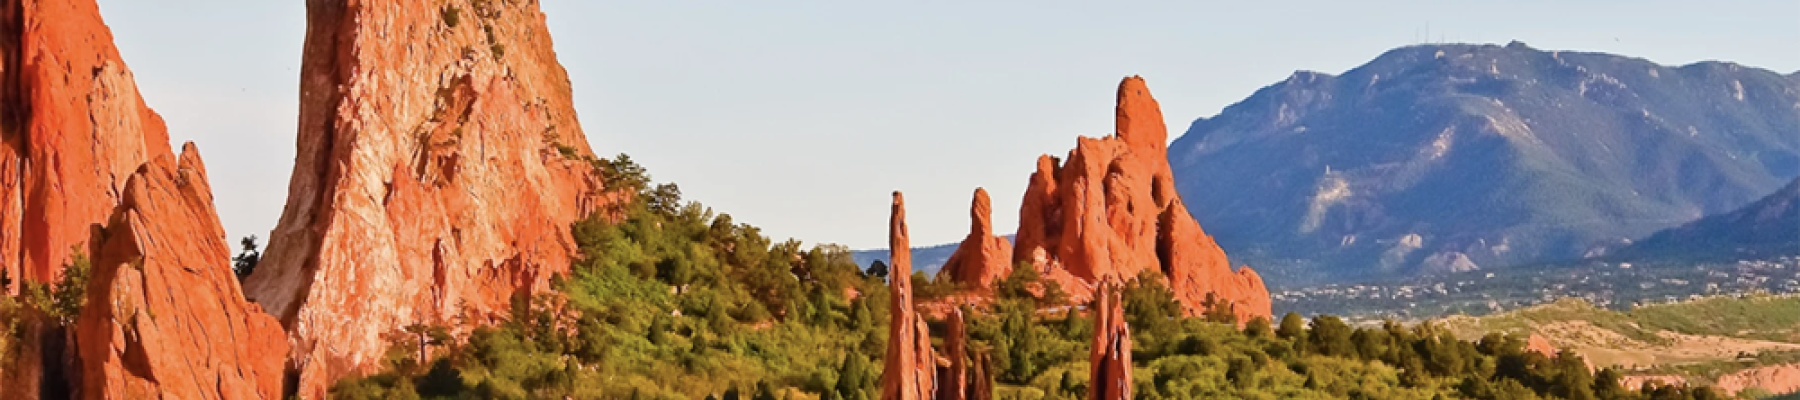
x=1770 y=226
x=1451 y=157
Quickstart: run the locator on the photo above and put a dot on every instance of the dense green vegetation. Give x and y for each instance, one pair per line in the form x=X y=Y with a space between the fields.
x=673 y=301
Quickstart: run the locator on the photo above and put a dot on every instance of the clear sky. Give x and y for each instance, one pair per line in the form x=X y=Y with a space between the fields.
x=801 y=116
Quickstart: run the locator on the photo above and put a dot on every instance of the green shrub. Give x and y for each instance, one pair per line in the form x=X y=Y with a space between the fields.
x=452 y=15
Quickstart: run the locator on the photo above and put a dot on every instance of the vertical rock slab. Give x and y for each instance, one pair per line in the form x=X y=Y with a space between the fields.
x=72 y=129
x=983 y=257
x=981 y=376
x=439 y=165
x=909 y=366
x=164 y=316
x=1109 y=359
x=1109 y=211
x=953 y=380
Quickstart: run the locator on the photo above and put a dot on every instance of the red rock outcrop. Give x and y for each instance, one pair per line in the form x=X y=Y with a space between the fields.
x=908 y=369
x=1537 y=343
x=952 y=380
x=1776 y=379
x=72 y=129
x=981 y=378
x=164 y=316
x=73 y=133
x=439 y=166
x=1109 y=358
x=1111 y=212
x=983 y=257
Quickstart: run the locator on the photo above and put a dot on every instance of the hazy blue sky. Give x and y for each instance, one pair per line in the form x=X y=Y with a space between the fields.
x=801 y=117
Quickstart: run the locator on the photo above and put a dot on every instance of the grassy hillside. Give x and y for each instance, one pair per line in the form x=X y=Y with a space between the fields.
x=674 y=301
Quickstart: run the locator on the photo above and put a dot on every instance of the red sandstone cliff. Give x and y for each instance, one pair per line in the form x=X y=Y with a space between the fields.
x=1109 y=211
x=72 y=129
x=909 y=366
x=164 y=316
x=1777 y=379
x=437 y=173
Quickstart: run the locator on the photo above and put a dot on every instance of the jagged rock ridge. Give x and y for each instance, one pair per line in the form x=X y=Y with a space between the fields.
x=72 y=130
x=85 y=167
x=135 y=339
x=1438 y=158
x=1110 y=212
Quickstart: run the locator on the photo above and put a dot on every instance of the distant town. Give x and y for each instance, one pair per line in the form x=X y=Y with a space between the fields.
x=1615 y=285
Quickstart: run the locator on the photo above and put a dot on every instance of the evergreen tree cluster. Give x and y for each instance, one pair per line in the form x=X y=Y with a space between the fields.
x=674 y=301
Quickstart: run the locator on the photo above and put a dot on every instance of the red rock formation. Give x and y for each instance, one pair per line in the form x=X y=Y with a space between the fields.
x=135 y=339
x=438 y=170
x=983 y=257
x=1634 y=382
x=909 y=365
x=73 y=132
x=1109 y=359
x=1111 y=212
x=953 y=380
x=981 y=378
x=1537 y=343
x=72 y=129
x=1776 y=379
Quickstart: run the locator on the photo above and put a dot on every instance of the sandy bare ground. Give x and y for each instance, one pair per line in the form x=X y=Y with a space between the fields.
x=1604 y=347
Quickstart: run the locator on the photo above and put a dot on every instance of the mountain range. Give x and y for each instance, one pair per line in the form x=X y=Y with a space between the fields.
x=1768 y=227
x=1458 y=157
x=1455 y=157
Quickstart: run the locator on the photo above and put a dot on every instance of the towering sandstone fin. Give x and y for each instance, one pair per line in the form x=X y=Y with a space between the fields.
x=983 y=257
x=164 y=313
x=909 y=367
x=164 y=316
x=952 y=380
x=1109 y=211
x=439 y=166
x=72 y=129
x=1109 y=359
